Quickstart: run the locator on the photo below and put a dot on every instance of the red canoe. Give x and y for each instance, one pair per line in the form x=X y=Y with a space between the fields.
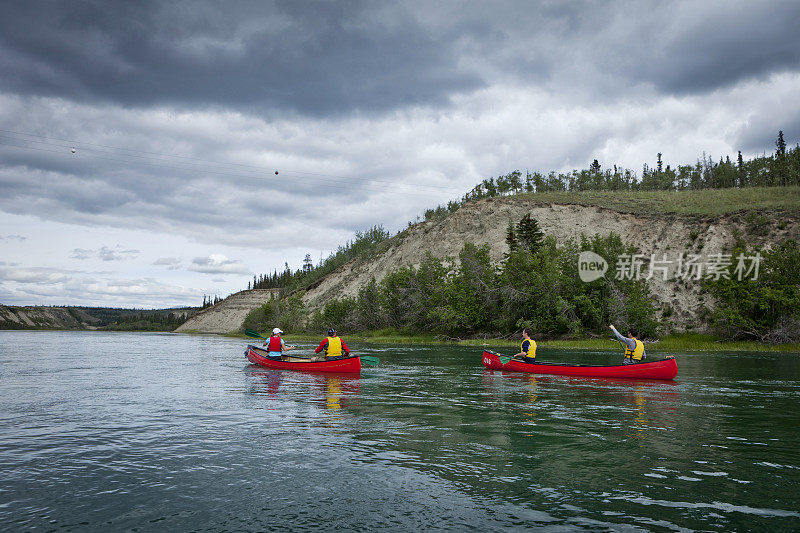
x=661 y=369
x=348 y=365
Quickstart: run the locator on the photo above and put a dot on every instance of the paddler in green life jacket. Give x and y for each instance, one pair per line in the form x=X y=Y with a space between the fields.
x=528 y=347
x=634 y=348
x=333 y=346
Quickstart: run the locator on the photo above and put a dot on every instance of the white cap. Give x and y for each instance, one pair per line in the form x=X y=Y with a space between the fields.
x=276 y=331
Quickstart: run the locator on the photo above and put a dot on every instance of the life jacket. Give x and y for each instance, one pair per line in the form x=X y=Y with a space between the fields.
x=275 y=344
x=334 y=347
x=531 y=348
x=637 y=353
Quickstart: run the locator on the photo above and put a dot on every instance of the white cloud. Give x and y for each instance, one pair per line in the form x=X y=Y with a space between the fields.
x=172 y=263
x=81 y=253
x=36 y=275
x=118 y=254
x=37 y=285
x=104 y=253
x=218 y=264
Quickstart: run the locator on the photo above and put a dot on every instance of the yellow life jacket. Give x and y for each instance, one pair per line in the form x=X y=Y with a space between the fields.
x=637 y=353
x=531 y=348
x=334 y=347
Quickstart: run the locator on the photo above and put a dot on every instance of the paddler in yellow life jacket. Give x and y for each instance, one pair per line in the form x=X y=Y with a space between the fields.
x=333 y=346
x=634 y=348
x=528 y=347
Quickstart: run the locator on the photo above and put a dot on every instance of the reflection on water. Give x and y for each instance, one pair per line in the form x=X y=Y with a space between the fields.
x=643 y=406
x=640 y=422
x=185 y=434
x=531 y=400
x=265 y=381
x=331 y=391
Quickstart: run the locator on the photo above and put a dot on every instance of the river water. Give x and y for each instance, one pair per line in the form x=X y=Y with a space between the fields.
x=142 y=431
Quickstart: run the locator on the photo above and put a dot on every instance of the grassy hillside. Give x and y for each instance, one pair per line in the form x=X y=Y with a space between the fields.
x=709 y=202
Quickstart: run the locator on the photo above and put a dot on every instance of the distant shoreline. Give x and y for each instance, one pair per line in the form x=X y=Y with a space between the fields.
x=684 y=342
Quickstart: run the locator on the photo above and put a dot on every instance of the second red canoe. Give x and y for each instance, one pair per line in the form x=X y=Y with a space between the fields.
x=661 y=369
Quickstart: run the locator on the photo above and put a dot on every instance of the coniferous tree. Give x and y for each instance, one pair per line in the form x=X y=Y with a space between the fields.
x=529 y=236
x=511 y=238
x=781 y=144
x=740 y=165
x=780 y=168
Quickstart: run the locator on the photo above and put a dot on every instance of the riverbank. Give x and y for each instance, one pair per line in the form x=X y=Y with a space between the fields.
x=686 y=342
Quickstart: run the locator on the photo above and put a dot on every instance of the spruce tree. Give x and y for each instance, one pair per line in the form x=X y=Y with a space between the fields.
x=740 y=164
x=511 y=238
x=780 y=169
x=529 y=236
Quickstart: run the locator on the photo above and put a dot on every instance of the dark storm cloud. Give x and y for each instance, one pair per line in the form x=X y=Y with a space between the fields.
x=310 y=57
x=321 y=58
x=713 y=45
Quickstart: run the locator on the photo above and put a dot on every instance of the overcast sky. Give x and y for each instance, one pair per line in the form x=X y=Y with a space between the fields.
x=139 y=141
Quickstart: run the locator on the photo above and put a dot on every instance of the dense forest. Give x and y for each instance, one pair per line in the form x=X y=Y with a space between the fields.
x=155 y=320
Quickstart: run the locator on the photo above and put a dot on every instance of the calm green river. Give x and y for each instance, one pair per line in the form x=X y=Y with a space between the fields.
x=154 y=432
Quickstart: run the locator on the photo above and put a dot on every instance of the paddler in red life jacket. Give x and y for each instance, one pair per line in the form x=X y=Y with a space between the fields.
x=528 y=347
x=333 y=346
x=634 y=348
x=276 y=345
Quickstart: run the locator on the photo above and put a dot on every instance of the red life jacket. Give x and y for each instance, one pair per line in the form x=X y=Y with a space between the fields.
x=275 y=344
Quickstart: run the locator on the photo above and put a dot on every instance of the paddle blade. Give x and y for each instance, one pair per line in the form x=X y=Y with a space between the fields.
x=503 y=359
x=251 y=333
x=369 y=360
